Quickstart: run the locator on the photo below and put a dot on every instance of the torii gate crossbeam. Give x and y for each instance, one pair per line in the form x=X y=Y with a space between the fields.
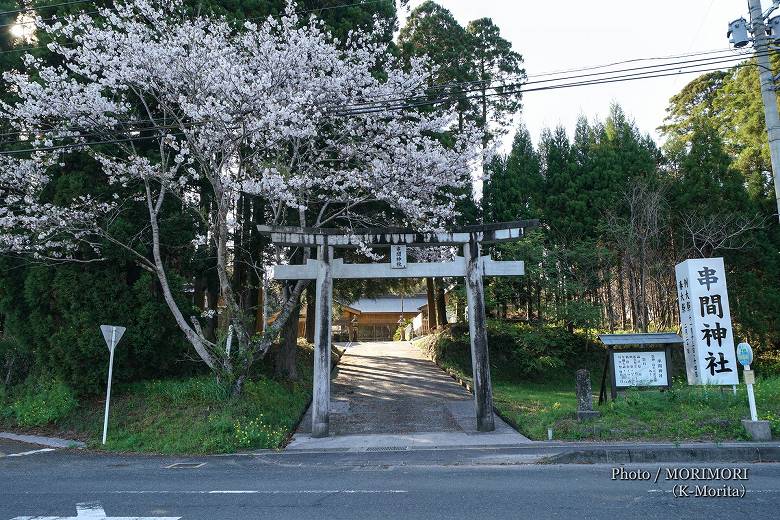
x=472 y=266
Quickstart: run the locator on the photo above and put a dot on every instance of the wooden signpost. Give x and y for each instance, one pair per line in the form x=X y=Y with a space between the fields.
x=472 y=266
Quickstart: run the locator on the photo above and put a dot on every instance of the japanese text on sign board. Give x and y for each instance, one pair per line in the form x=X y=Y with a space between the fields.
x=705 y=320
x=640 y=369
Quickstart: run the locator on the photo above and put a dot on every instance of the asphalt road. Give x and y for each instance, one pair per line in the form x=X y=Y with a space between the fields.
x=8 y=447
x=472 y=483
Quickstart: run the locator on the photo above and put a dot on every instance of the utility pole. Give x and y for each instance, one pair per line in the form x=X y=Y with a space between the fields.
x=762 y=46
x=768 y=92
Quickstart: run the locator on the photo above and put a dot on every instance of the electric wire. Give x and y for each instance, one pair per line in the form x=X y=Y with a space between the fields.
x=387 y=108
x=39 y=7
x=425 y=98
x=602 y=81
x=50 y=19
x=635 y=71
x=634 y=60
x=425 y=92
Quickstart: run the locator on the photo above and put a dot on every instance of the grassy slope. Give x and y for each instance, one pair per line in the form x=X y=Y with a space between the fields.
x=684 y=413
x=191 y=415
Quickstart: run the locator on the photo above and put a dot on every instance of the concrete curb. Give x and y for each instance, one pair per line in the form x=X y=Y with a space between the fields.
x=51 y=442
x=641 y=454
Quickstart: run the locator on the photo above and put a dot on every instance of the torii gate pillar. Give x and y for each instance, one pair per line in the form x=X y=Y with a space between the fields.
x=472 y=266
x=480 y=359
x=320 y=404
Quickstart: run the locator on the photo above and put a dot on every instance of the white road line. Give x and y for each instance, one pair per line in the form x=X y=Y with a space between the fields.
x=94 y=511
x=31 y=452
x=261 y=492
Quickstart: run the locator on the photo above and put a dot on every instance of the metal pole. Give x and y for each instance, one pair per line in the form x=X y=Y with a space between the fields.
x=751 y=399
x=768 y=95
x=108 y=390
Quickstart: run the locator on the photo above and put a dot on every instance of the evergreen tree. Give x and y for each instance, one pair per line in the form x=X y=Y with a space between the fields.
x=707 y=182
x=498 y=70
x=512 y=191
x=555 y=154
x=432 y=31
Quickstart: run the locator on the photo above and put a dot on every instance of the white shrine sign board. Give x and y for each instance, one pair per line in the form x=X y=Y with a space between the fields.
x=398 y=257
x=636 y=369
x=705 y=319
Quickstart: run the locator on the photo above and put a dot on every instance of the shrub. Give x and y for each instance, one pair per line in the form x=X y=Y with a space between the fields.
x=54 y=313
x=768 y=363
x=517 y=349
x=44 y=402
x=14 y=361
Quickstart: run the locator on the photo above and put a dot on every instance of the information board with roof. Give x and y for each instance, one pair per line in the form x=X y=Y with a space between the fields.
x=637 y=361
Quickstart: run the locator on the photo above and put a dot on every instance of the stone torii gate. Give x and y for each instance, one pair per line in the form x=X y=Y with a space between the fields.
x=472 y=265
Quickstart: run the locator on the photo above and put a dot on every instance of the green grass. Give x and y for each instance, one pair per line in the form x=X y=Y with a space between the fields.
x=681 y=414
x=191 y=416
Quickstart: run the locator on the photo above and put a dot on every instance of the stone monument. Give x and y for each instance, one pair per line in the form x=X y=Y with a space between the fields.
x=585 y=411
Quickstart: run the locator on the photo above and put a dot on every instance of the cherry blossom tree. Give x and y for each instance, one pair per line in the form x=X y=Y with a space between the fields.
x=166 y=103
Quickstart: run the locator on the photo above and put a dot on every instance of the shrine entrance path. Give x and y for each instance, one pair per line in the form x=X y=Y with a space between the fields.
x=387 y=394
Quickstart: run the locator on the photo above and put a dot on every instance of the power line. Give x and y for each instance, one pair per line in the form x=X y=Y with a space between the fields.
x=634 y=60
x=38 y=7
x=396 y=107
x=82 y=145
x=382 y=101
x=33 y=22
x=441 y=86
x=338 y=6
x=93 y=133
x=502 y=84
x=601 y=81
x=635 y=72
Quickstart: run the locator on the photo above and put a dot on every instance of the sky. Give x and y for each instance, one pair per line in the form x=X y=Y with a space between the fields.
x=567 y=34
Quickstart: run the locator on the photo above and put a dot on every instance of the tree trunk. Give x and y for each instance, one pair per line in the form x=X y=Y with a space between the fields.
x=610 y=303
x=210 y=331
x=311 y=295
x=431 y=303
x=238 y=385
x=441 y=305
x=622 y=293
x=260 y=310
x=285 y=359
x=632 y=299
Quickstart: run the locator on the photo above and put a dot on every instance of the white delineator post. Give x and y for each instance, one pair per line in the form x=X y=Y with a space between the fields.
x=751 y=397
x=320 y=407
x=108 y=388
x=111 y=346
x=768 y=94
x=111 y=334
x=480 y=361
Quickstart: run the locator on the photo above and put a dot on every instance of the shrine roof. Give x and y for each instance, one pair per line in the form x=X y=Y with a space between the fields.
x=645 y=338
